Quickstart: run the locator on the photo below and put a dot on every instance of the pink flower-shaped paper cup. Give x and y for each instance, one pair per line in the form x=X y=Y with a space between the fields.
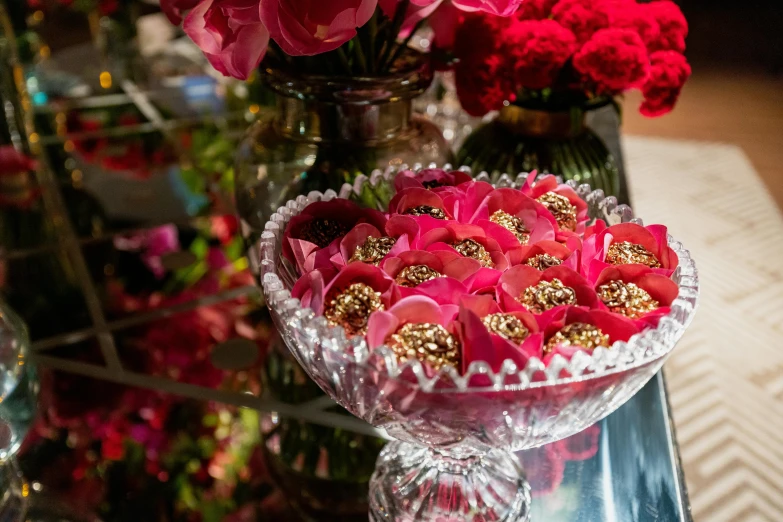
x=629 y=243
x=312 y=237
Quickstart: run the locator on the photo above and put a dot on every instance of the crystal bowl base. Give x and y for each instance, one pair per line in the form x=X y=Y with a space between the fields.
x=414 y=483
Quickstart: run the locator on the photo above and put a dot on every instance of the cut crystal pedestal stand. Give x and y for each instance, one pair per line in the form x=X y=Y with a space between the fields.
x=453 y=459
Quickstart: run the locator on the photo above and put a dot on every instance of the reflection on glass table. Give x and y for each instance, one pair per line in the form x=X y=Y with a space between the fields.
x=127 y=454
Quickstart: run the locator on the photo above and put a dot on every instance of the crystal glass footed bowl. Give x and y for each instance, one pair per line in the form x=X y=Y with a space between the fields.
x=452 y=459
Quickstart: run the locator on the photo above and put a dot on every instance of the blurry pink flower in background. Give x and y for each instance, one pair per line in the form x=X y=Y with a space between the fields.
x=154 y=244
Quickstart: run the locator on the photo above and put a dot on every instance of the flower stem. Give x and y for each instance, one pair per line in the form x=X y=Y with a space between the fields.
x=344 y=61
x=357 y=43
x=399 y=18
x=404 y=45
x=373 y=30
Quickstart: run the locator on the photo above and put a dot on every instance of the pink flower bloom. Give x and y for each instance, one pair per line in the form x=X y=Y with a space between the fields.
x=653 y=238
x=481 y=344
x=175 y=9
x=617 y=327
x=582 y=446
x=154 y=243
x=320 y=221
x=414 y=309
x=417 y=11
x=13 y=162
x=308 y=27
x=517 y=279
x=494 y=7
x=230 y=33
x=550 y=469
x=660 y=287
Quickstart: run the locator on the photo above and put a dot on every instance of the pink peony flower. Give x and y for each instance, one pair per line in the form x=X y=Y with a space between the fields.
x=481 y=344
x=652 y=238
x=308 y=27
x=617 y=327
x=517 y=279
x=230 y=33
x=313 y=237
x=661 y=288
x=414 y=309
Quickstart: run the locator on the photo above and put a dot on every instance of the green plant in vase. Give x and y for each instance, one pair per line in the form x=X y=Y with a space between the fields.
x=547 y=67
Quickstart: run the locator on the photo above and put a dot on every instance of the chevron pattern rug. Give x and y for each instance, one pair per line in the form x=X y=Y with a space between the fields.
x=726 y=376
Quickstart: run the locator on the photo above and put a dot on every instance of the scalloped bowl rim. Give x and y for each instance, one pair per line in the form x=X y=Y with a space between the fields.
x=580 y=366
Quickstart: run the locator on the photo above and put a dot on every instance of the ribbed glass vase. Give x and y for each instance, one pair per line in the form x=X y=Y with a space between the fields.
x=558 y=142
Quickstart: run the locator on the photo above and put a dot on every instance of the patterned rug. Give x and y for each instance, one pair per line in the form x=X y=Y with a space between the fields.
x=726 y=376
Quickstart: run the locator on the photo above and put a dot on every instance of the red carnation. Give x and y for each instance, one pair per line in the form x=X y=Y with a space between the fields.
x=668 y=73
x=582 y=17
x=633 y=16
x=481 y=75
x=539 y=49
x=535 y=9
x=672 y=23
x=614 y=60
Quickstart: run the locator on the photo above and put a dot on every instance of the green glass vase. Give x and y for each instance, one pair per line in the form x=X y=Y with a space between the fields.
x=557 y=142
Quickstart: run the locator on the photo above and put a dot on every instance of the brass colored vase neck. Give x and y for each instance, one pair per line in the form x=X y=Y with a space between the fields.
x=358 y=123
x=543 y=124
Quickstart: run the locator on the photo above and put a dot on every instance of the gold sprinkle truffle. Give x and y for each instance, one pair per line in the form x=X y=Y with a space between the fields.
x=428 y=342
x=543 y=261
x=513 y=224
x=547 y=295
x=625 y=253
x=426 y=210
x=351 y=308
x=626 y=299
x=561 y=208
x=373 y=250
x=414 y=275
x=584 y=335
x=474 y=250
x=507 y=326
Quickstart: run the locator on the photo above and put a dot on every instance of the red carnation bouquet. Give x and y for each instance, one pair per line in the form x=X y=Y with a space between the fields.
x=458 y=271
x=557 y=54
